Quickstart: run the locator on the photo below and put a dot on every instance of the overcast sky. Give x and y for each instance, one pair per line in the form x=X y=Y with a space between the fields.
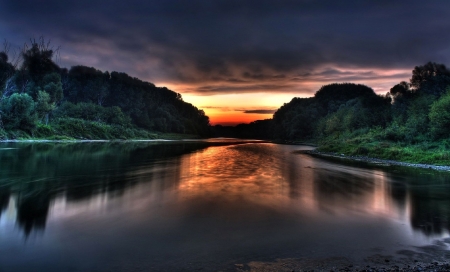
x=240 y=52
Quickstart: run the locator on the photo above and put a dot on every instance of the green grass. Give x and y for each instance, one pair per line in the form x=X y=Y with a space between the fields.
x=436 y=153
x=374 y=143
x=78 y=129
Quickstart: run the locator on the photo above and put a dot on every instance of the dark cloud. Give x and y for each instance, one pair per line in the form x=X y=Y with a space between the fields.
x=238 y=46
x=261 y=111
x=253 y=111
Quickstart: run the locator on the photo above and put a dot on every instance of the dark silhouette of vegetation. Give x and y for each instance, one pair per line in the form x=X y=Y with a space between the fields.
x=260 y=129
x=410 y=123
x=40 y=99
x=335 y=109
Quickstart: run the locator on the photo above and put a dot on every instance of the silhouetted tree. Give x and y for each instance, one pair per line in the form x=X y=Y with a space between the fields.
x=431 y=78
x=37 y=59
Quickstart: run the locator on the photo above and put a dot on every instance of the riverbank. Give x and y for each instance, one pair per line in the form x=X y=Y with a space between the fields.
x=70 y=129
x=370 y=160
x=60 y=139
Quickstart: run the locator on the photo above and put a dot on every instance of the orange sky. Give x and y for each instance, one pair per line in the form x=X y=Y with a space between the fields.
x=229 y=109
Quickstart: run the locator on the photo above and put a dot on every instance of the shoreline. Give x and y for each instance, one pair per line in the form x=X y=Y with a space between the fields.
x=95 y=141
x=373 y=161
x=314 y=152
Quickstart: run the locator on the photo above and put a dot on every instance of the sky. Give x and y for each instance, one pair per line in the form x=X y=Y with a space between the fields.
x=239 y=60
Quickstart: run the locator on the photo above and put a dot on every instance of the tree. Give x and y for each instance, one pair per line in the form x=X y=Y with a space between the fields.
x=6 y=69
x=431 y=78
x=52 y=85
x=7 y=79
x=417 y=121
x=331 y=96
x=37 y=60
x=18 y=112
x=400 y=89
x=44 y=105
x=88 y=84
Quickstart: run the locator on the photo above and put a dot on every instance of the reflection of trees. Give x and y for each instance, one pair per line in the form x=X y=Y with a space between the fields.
x=36 y=173
x=428 y=196
x=4 y=199
x=398 y=193
x=343 y=188
x=430 y=209
x=32 y=211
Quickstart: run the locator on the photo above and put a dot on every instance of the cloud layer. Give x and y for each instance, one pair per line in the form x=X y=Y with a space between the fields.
x=233 y=46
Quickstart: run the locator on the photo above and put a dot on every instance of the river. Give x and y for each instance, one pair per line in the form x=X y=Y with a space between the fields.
x=209 y=205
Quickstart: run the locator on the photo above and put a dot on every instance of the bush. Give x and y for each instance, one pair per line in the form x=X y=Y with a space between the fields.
x=18 y=112
x=43 y=131
x=91 y=130
x=93 y=112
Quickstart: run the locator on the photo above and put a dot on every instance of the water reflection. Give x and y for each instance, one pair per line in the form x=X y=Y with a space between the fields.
x=430 y=208
x=35 y=174
x=253 y=200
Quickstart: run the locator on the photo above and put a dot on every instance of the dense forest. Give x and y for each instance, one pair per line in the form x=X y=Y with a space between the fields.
x=411 y=122
x=39 y=99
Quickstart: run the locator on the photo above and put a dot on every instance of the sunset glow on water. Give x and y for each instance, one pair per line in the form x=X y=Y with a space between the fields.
x=208 y=205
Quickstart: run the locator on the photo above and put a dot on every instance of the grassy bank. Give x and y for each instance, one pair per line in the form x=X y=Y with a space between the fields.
x=374 y=144
x=78 y=129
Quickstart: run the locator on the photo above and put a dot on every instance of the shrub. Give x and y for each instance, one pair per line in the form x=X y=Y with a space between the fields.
x=18 y=112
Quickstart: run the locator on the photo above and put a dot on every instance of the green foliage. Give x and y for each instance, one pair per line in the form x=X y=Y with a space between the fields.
x=3 y=134
x=52 y=85
x=91 y=130
x=43 y=104
x=352 y=119
x=440 y=116
x=93 y=112
x=430 y=153
x=350 y=116
x=148 y=106
x=48 y=94
x=335 y=109
x=417 y=122
x=43 y=131
x=18 y=112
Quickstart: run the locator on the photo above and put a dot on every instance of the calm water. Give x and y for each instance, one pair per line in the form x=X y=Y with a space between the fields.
x=207 y=205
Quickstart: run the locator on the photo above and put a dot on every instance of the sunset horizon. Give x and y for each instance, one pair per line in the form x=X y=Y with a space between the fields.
x=233 y=60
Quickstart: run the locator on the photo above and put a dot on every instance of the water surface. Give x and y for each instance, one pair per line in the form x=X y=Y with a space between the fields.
x=207 y=205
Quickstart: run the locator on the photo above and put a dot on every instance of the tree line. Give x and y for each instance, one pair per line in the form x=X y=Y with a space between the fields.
x=40 y=99
x=411 y=112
